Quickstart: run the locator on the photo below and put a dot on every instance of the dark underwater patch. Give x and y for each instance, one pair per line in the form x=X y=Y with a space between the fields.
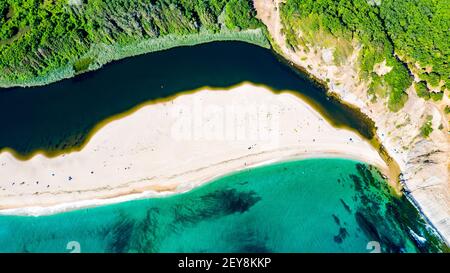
x=366 y=175
x=215 y=204
x=340 y=237
x=336 y=220
x=388 y=242
x=367 y=227
x=147 y=233
x=247 y=240
x=254 y=248
x=119 y=236
x=346 y=207
x=229 y=201
x=357 y=182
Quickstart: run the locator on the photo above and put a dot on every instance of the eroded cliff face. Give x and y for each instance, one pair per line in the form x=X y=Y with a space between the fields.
x=423 y=161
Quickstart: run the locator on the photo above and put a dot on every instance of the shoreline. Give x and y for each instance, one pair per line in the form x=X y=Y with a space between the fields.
x=105 y=54
x=37 y=211
x=305 y=136
x=317 y=108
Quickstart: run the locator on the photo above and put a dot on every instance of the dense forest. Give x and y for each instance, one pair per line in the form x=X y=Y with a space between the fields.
x=411 y=35
x=38 y=37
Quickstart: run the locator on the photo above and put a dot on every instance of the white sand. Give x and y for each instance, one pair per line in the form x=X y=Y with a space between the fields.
x=174 y=146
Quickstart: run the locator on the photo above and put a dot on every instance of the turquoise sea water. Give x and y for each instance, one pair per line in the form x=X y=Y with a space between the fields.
x=315 y=205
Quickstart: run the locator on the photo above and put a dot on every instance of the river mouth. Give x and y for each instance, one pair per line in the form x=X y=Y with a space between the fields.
x=61 y=116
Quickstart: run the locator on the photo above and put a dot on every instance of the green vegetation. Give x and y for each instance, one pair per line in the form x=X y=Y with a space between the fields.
x=419 y=30
x=447 y=109
x=82 y=64
x=437 y=96
x=46 y=40
x=407 y=34
x=427 y=127
x=240 y=15
x=422 y=90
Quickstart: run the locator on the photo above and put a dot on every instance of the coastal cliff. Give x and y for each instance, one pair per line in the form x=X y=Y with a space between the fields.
x=415 y=136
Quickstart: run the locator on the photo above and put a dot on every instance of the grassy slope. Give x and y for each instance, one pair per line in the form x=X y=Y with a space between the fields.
x=45 y=41
x=412 y=36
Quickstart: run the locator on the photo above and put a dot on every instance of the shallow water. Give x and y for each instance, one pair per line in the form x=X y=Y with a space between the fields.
x=315 y=205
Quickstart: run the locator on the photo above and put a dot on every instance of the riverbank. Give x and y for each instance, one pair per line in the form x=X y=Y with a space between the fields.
x=101 y=54
x=423 y=161
x=174 y=146
x=43 y=43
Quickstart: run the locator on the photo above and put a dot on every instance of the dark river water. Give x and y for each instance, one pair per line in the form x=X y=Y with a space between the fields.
x=61 y=115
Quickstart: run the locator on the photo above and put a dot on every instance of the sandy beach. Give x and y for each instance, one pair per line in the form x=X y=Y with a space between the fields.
x=174 y=146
